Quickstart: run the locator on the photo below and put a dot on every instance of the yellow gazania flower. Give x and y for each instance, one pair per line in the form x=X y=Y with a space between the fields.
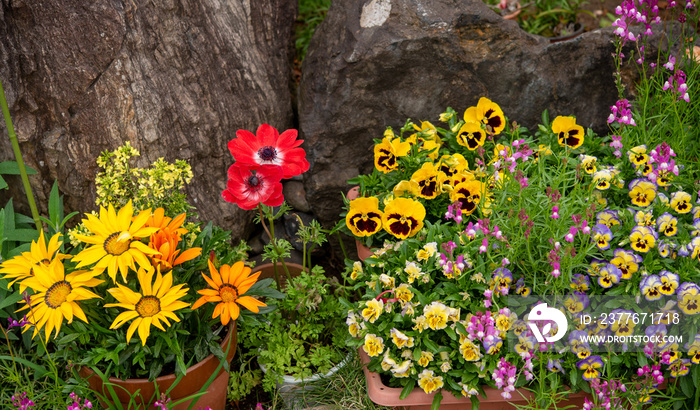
x=55 y=296
x=364 y=217
x=156 y=303
x=403 y=217
x=165 y=241
x=386 y=153
x=468 y=194
x=115 y=240
x=429 y=180
x=373 y=310
x=569 y=134
x=429 y=382
x=488 y=114
x=228 y=284
x=471 y=135
x=436 y=315
x=374 y=345
x=22 y=266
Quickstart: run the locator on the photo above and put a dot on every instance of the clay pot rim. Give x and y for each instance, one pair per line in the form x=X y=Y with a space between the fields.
x=384 y=395
x=169 y=378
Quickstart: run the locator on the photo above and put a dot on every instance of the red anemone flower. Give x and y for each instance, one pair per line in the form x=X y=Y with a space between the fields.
x=247 y=187
x=270 y=148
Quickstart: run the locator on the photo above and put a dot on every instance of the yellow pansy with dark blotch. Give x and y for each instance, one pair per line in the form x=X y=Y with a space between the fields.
x=609 y=275
x=403 y=217
x=406 y=189
x=429 y=179
x=667 y=224
x=689 y=298
x=471 y=135
x=608 y=217
x=602 y=179
x=644 y=218
x=468 y=194
x=642 y=238
x=590 y=366
x=624 y=323
x=649 y=286
x=453 y=164
x=669 y=281
x=364 y=217
x=642 y=192
x=627 y=261
x=638 y=155
x=488 y=114
x=387 y=152
x=541 y=151
x=679 y=368
x=588 y=163
x=664 y=178
x=680 y=202
x=569 y=134
x=694 y=350
x=595 y=266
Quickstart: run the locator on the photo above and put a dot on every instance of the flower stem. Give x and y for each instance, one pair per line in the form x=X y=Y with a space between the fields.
x=18 y=158
x=269 y=235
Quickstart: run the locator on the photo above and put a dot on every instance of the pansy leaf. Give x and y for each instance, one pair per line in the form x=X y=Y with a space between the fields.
x=687 y=386
x=475 y=402
x=436 y=401
x=430 y=345
x=407 y=389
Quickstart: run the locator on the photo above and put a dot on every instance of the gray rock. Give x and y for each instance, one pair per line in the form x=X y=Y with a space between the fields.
x=295 y=195
x=372 y=64
x=175 y=78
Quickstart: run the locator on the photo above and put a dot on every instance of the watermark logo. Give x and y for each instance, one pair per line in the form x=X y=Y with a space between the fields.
x=542 y=312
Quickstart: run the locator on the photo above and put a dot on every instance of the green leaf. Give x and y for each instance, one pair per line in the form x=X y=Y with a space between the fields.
x=3 y=184
x=436 y=401
x=55 y=205
x=22 y=235
x=687 y=386
x=407 y=389
x=11 y=168
x=475 y=402
x=10 y=300
x=430 y=345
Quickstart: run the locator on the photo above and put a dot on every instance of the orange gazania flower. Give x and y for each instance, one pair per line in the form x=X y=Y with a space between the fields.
x=166 y=241
x=228 y=285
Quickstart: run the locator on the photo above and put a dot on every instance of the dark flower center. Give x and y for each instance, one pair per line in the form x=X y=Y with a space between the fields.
x=267 y=153
x=253 y=181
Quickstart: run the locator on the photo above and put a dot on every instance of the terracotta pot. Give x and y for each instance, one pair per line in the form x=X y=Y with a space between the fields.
x=191 y=383
x=267 y=270
x=363 y=252
x=383 y=395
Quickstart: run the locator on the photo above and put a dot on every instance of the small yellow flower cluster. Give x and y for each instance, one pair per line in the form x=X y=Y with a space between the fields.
x=156 y=186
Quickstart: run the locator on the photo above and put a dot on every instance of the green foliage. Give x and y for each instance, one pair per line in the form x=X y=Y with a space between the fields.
x=304 y=336
x=311 y=14
x=11 y=168
x=159 y=185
